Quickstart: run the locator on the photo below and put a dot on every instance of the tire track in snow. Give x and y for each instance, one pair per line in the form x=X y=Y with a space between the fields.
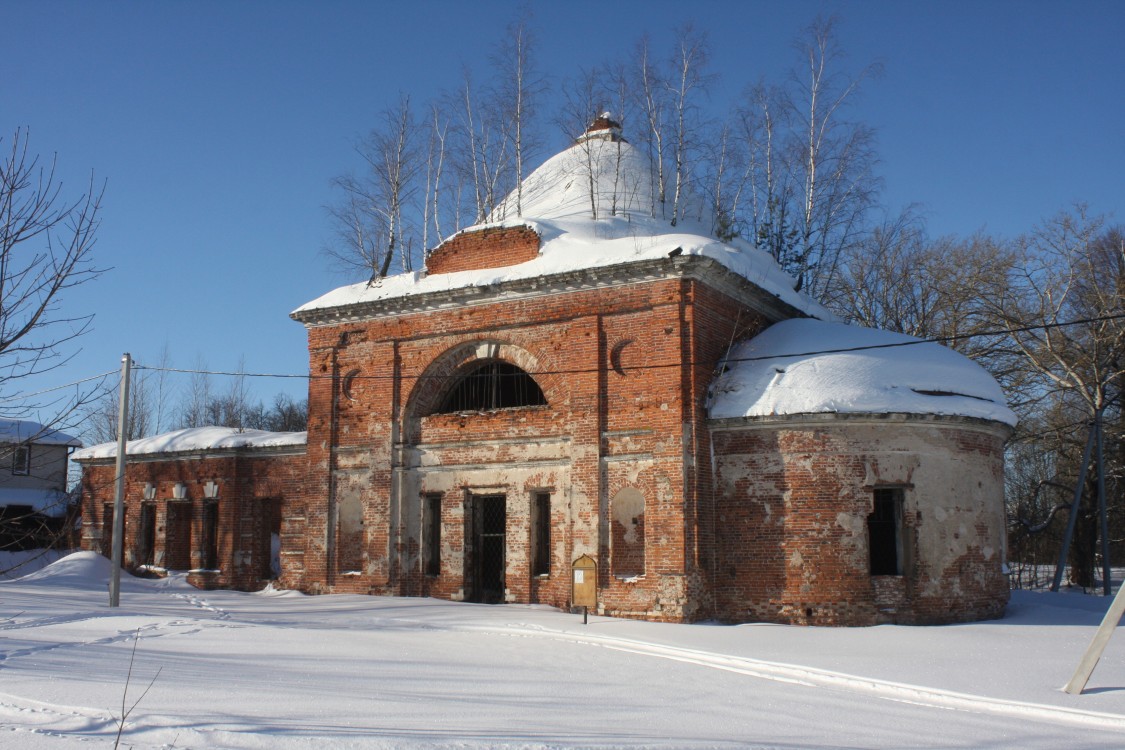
x=823 y=678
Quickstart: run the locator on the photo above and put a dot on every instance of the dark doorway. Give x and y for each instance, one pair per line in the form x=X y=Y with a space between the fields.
x=267 y=522
x=177 y=539
x=489 y=519
x=146 y=534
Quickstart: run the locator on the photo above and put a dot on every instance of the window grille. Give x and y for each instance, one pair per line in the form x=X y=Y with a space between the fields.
x=490 y=386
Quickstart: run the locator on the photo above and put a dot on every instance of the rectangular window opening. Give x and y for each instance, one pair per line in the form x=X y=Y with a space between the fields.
x=541 y=534
x=884 y=532
x=431 y=534
x=210 y=536
x=146 y=534
x=21 y=460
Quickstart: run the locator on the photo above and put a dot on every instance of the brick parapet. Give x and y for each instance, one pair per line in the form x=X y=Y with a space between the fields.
x=491 y=247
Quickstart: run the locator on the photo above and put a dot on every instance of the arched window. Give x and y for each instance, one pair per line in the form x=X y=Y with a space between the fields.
x=492 y=385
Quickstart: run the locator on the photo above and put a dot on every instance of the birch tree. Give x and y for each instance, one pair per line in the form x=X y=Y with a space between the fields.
x=811 y=170
x=376 y=221
x=481 y=147
x=688 y=82
x=519 y=87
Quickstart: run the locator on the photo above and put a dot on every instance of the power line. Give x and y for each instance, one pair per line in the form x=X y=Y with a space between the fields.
x=23 y=396
x=586 y=371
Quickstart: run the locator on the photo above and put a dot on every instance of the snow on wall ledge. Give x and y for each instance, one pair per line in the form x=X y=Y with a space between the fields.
x=803 y=366
x=195 y=439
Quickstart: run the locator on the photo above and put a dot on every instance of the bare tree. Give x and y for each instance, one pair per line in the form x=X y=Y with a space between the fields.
x=519 y=87
x=581 y=103
x=651 y=92
x=284 y=415
x=688 y=80
x=102 y=421
x=1064 y=316
x=481 y=147
x=435 y=169
x=150 y=395
x=373 y=219
x=811 y=170
x=46 y=249
x=194 y=404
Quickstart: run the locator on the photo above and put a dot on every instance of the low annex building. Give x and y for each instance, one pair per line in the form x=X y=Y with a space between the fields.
x=588 y=380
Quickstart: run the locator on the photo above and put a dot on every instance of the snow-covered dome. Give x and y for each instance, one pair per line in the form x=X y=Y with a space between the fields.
x=595 y=205
x=601 y=175
x=806 y=366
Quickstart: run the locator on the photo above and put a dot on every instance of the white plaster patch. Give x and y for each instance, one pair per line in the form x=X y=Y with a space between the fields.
x=851 y=522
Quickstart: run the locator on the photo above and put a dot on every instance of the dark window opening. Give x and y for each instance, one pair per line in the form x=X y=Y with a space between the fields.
x=884 y=532
x=107 y=530
x=21 y=460
x=541 y=534
x=431 y=535
x=210 y=540
x=146 y=534
x=492 y=385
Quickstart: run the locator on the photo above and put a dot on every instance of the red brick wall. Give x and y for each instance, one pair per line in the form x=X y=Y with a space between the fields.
x=485 y=248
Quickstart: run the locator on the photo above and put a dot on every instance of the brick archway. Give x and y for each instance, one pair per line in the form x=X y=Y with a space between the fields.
x=424 y=399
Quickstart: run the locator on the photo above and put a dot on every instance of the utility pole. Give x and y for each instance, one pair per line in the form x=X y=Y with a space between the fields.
x=119 y=487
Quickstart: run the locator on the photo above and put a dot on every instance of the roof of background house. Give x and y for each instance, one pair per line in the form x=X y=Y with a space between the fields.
x=26 y=431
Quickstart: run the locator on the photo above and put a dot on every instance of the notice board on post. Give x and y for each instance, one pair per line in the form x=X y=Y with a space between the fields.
x=584 y=580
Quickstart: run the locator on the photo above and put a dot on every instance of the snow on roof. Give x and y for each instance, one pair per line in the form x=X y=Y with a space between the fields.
x=800 y=366
x=23 y=430
x=51 y=503
x=196 y=439
x=556 y=203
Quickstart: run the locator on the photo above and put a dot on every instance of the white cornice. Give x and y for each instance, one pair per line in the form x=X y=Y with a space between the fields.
x=702 y=269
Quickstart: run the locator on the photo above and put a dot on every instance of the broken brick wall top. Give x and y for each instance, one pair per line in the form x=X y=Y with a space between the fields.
x=494 y=247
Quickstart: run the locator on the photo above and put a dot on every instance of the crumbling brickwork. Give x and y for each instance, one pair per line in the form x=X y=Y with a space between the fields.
x=795 y=499
x=486 y=248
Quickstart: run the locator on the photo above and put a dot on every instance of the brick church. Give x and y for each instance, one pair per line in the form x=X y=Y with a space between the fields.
x=582 y=378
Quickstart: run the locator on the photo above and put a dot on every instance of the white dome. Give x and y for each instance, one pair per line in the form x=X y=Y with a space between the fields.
x=618 y=174
x=806 y=366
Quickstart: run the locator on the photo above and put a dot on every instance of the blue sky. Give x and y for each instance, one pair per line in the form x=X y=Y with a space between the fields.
x=219 y=126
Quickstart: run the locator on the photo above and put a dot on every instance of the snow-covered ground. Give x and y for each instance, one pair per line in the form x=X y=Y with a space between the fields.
x=282 y=670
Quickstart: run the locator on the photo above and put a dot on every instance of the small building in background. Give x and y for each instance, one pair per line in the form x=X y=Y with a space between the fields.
x=35 y=508
x=208 y=500
x=598 y=378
